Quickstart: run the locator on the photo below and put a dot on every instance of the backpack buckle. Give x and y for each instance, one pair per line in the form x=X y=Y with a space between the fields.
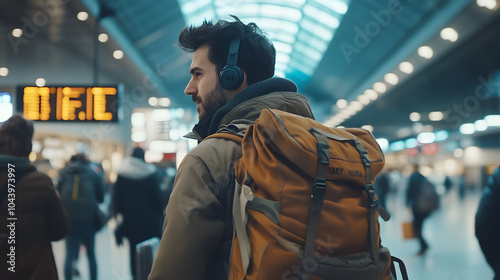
x=371 y=195
x=320 y=183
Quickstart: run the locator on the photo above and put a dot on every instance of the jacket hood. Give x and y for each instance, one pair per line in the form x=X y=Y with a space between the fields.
x=135 y=169
x=20 y=164
x=274 y=93
x=76 y=167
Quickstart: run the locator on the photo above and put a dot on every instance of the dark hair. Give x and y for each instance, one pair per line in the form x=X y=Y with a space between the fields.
x=16 y=134
x=138 y=152
x=256 y=56
x=79 y=158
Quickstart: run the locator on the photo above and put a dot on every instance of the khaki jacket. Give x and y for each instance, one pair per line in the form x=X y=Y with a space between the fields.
x=197 y=234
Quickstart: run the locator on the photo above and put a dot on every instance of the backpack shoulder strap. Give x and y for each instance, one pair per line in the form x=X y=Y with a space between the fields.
x=226 y=135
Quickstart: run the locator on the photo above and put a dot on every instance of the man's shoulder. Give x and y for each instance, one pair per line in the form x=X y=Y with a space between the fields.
x=214 y=153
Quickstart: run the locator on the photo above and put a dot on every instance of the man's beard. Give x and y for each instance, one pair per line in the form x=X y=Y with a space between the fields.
x=212 y=103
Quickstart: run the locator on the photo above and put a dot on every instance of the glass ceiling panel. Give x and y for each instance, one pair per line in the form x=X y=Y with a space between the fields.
x=301 y=30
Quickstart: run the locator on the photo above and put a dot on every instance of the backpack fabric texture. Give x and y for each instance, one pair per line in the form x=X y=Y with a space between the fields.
x=304 y=205
x=427 y=200
x=81 y=191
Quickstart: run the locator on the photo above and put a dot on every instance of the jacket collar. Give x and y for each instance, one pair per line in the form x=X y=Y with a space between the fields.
x=210 y=126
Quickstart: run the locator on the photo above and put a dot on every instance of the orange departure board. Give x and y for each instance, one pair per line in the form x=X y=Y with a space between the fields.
x=69 y=103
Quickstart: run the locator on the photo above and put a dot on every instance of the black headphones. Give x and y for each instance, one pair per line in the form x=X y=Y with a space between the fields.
x=231 y=76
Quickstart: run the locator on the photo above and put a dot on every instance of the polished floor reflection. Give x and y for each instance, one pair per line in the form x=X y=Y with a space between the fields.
x=454 y=252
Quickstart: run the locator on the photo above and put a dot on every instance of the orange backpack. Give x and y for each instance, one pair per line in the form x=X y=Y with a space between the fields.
x=304 y=204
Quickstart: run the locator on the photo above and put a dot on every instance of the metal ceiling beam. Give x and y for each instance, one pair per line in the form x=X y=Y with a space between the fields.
x=151 y=80
x=447 y=12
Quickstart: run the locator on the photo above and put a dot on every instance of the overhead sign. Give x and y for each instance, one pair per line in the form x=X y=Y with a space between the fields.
x=69 y=103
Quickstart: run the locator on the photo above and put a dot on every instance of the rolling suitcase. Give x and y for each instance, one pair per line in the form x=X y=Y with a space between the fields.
x=145 y=254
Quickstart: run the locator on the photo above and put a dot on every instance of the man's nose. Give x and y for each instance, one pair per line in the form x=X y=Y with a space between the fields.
x=190 y=88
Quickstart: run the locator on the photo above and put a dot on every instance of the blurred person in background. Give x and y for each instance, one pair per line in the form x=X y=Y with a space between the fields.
x=487 y=223
x=421 y=196
x=137 y=197
x=383 y=186
x=34 y=203
x=81 y=191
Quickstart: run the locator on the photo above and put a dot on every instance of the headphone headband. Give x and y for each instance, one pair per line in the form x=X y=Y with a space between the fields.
x=232 y=55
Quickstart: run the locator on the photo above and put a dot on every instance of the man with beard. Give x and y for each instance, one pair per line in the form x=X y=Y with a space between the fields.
x=231 y=82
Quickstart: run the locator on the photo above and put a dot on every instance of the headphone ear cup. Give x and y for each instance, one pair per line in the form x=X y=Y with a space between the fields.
x=230 y=77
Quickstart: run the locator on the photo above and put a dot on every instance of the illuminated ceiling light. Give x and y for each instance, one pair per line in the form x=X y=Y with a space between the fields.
x=406 y=67
x=118 y=54
x=17 y=32
x=83 y=16
x=368 y=127
x=282 y=58
x=425 y=52
x=349 y=111
x=492 y=120
x=397 y=146
x=4 y=71
x=426 y=137
x=346 y=113
x=364 y=99
x=164 y=101
x=279 y=73
x=441 y=135
x=268 y=10
x=324 y=17
x=335 y=5
x=415 y=117
x=103 y=37
x=436 y=116
x=161 y=115
x=138 y=136
x=380 y=87
x=480 y=125
x=383 y=143
x=283 y=47
x=458 y=153
x=467 y=128
x=356 y=105
x=489 y=4
x=40 y=82
x=449 y=34
x=153 y=101
x=370 y=93
x=341 y=103
x=138 y=119
x=391 y=78
x=411 y=143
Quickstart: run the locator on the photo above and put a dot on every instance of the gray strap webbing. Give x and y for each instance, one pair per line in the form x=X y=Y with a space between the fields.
x=239 y=217
x=318 y=192
x=270 y=208
x=373 y=203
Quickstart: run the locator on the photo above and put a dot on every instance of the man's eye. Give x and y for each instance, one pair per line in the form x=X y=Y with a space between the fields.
x=197 y=74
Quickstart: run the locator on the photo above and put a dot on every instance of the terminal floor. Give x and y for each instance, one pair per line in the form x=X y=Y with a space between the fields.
x=454 y=252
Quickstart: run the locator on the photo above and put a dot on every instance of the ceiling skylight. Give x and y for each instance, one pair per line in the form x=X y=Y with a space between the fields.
x=301 y=30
